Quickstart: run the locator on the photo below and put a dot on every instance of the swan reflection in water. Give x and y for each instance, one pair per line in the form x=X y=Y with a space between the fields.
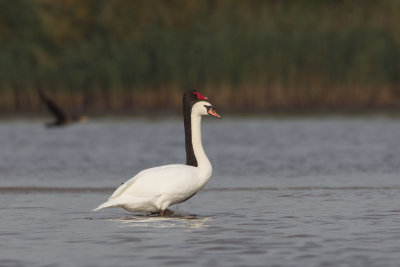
x=171 y=220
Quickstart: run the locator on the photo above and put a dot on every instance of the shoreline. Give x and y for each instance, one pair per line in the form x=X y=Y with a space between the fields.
x=169 y=114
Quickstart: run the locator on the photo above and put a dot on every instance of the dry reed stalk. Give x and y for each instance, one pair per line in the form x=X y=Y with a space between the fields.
x=246 y=97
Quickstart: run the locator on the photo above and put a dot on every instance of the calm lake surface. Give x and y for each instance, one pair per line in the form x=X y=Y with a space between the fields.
x=284 y=192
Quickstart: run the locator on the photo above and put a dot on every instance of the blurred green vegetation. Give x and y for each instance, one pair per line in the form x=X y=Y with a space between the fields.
x=255 y=55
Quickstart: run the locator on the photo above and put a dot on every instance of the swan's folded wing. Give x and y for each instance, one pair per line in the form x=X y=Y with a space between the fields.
x=122 y=188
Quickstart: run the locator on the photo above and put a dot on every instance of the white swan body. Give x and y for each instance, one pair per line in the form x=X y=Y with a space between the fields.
x=154 y=189
x=157 y=188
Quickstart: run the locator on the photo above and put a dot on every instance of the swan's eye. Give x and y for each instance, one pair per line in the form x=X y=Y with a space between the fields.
x=207 y=107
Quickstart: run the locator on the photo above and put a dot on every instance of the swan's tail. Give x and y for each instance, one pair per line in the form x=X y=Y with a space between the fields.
x=107 y=204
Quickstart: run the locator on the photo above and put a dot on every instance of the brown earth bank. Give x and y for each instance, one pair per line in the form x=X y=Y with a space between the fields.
x=245 y=100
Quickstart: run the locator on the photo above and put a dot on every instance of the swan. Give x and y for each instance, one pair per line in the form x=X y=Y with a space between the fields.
x=155 y=189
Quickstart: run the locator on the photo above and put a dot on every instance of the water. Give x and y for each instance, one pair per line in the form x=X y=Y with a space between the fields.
x=291 y=192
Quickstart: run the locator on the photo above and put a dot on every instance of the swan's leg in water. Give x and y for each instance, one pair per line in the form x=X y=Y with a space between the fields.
x=165 y=212
x=163 y=207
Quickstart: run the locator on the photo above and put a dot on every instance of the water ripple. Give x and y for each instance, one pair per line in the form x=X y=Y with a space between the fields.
x=37 y=189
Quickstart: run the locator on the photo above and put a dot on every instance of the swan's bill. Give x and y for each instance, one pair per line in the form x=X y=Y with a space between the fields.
x=212 y=112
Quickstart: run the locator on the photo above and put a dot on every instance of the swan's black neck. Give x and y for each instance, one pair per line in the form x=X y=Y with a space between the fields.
x=187 y=121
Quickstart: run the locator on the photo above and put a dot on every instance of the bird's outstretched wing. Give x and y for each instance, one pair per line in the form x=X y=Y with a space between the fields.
x=52 y=107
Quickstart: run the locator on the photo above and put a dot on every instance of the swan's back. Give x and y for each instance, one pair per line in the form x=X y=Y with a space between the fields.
x=168 y=178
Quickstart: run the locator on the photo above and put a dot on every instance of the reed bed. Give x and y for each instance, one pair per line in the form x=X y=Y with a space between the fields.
x=120 y=55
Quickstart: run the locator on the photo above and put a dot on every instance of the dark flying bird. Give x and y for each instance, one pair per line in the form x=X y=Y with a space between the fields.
x=61 y=117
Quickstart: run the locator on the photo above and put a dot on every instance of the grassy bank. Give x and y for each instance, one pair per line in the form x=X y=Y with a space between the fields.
x=247 y=55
